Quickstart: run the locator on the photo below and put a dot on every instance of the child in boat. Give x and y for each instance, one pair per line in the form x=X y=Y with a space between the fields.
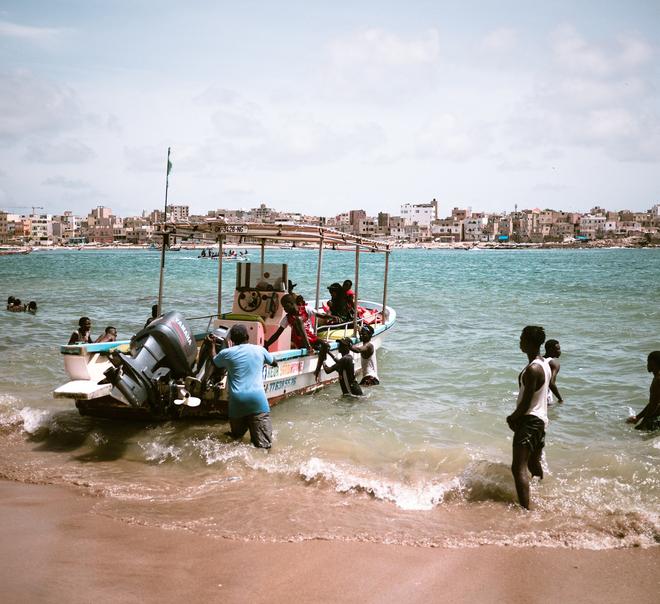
x=82 y=335
x=367 y=354
x=344 y=367
x=109 y=335
x=299 y=318
x=650 y=415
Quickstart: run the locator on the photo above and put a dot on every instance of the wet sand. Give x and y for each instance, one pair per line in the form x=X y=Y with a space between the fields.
x=56 y=549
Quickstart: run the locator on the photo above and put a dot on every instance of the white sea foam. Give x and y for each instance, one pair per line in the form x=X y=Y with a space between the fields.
x=35 y=419
x=160 y=452
x=421 y=496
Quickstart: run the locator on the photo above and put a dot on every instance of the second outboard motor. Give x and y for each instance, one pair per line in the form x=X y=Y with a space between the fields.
x=162 y=352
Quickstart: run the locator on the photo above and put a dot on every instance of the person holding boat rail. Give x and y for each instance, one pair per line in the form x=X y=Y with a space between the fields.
x=299 y=318
x=344 y=367
x=82 y=335
x=248 y=405
x=109 y=335
x=367 y=354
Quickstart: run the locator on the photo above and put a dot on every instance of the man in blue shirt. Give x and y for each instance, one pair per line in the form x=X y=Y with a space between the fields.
x=248 y=405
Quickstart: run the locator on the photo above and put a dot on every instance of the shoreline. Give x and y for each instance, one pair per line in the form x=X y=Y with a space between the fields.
x=57 y=548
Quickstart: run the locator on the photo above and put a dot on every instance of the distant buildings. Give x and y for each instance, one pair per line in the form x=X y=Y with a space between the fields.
x=417 y=222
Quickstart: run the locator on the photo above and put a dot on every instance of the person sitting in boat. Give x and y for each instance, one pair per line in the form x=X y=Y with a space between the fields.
x=82 y=335
x=300 y=320
x=367 y=354
x=347 y=286
x=338 y=307
x=32 y=307
x=109 y=335
x=344 y=367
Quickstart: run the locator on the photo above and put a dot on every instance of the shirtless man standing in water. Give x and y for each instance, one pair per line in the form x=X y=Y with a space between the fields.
x=552 y=354
x=530 y=418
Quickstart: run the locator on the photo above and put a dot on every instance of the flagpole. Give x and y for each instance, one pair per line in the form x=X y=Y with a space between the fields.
x=165 y=237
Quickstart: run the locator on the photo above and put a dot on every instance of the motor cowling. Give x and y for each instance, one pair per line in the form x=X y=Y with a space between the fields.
x=163 y=351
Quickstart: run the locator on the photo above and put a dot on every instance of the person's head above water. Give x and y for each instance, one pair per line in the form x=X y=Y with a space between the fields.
x=10 y=300
x=531 y=338
x=552 y=349
x=238 y=334
x=344 y=345
x=653 y=362
x=366 y=333
x=32 y=306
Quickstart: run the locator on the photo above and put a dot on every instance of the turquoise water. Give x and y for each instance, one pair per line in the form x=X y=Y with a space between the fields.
x=423 y=459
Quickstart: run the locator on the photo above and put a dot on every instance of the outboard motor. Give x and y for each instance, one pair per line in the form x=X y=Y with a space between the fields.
x=163 y=352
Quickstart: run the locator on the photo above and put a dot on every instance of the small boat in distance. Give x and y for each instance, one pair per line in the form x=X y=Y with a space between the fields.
x=163 y=373
x=14 y=251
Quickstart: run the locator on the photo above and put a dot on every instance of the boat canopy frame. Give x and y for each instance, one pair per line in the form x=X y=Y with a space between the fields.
x=217 y=231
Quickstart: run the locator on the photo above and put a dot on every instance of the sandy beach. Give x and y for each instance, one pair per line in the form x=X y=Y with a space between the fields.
x=56 y=549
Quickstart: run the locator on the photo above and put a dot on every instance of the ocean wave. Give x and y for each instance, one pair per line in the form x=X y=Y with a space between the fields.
x=26 y=419
x=421 y=496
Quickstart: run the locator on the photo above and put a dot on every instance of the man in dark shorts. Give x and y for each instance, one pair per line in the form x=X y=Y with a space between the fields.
x=530 y=418
x=248 y=405
x=344 y=367
x=649 y=417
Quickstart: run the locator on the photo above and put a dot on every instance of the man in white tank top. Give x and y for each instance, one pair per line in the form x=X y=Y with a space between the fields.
x=530 y=418
x=367 y=357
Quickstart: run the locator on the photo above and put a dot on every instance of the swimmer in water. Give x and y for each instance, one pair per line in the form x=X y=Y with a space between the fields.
x=649 y=417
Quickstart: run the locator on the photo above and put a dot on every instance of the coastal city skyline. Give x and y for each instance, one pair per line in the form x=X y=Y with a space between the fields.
x=420 y=222
x=306 y=107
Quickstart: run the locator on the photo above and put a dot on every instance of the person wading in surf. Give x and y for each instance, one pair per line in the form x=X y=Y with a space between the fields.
x=530 y=418
x=650 y=415
x=552 y=354
x=344 y=367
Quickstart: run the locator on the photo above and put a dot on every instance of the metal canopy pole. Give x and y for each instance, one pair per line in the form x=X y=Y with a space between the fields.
x=166 y=239
x=356 y=286
x=387 y=268
x=162 y=274
x=220 y=242
x=318 y=280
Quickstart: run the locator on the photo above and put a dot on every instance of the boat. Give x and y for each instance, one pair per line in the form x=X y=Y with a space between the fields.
x=160 y=374
x=14 y=251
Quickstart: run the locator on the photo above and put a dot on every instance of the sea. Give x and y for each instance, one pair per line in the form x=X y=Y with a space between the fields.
x=423 y=459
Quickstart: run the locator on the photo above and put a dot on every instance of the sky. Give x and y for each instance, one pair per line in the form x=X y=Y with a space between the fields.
x=323 y=107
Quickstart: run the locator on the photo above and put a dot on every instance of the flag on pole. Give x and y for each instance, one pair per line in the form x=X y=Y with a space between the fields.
x=169 y=166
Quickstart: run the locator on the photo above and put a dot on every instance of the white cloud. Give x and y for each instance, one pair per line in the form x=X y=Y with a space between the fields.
x=30 y=105
x=449 y=137
x=594 y=96
x=28 y=32
x=575 y=54
x=69 y=151
x=381 y=66
x=504 y=39
x=67 y=183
